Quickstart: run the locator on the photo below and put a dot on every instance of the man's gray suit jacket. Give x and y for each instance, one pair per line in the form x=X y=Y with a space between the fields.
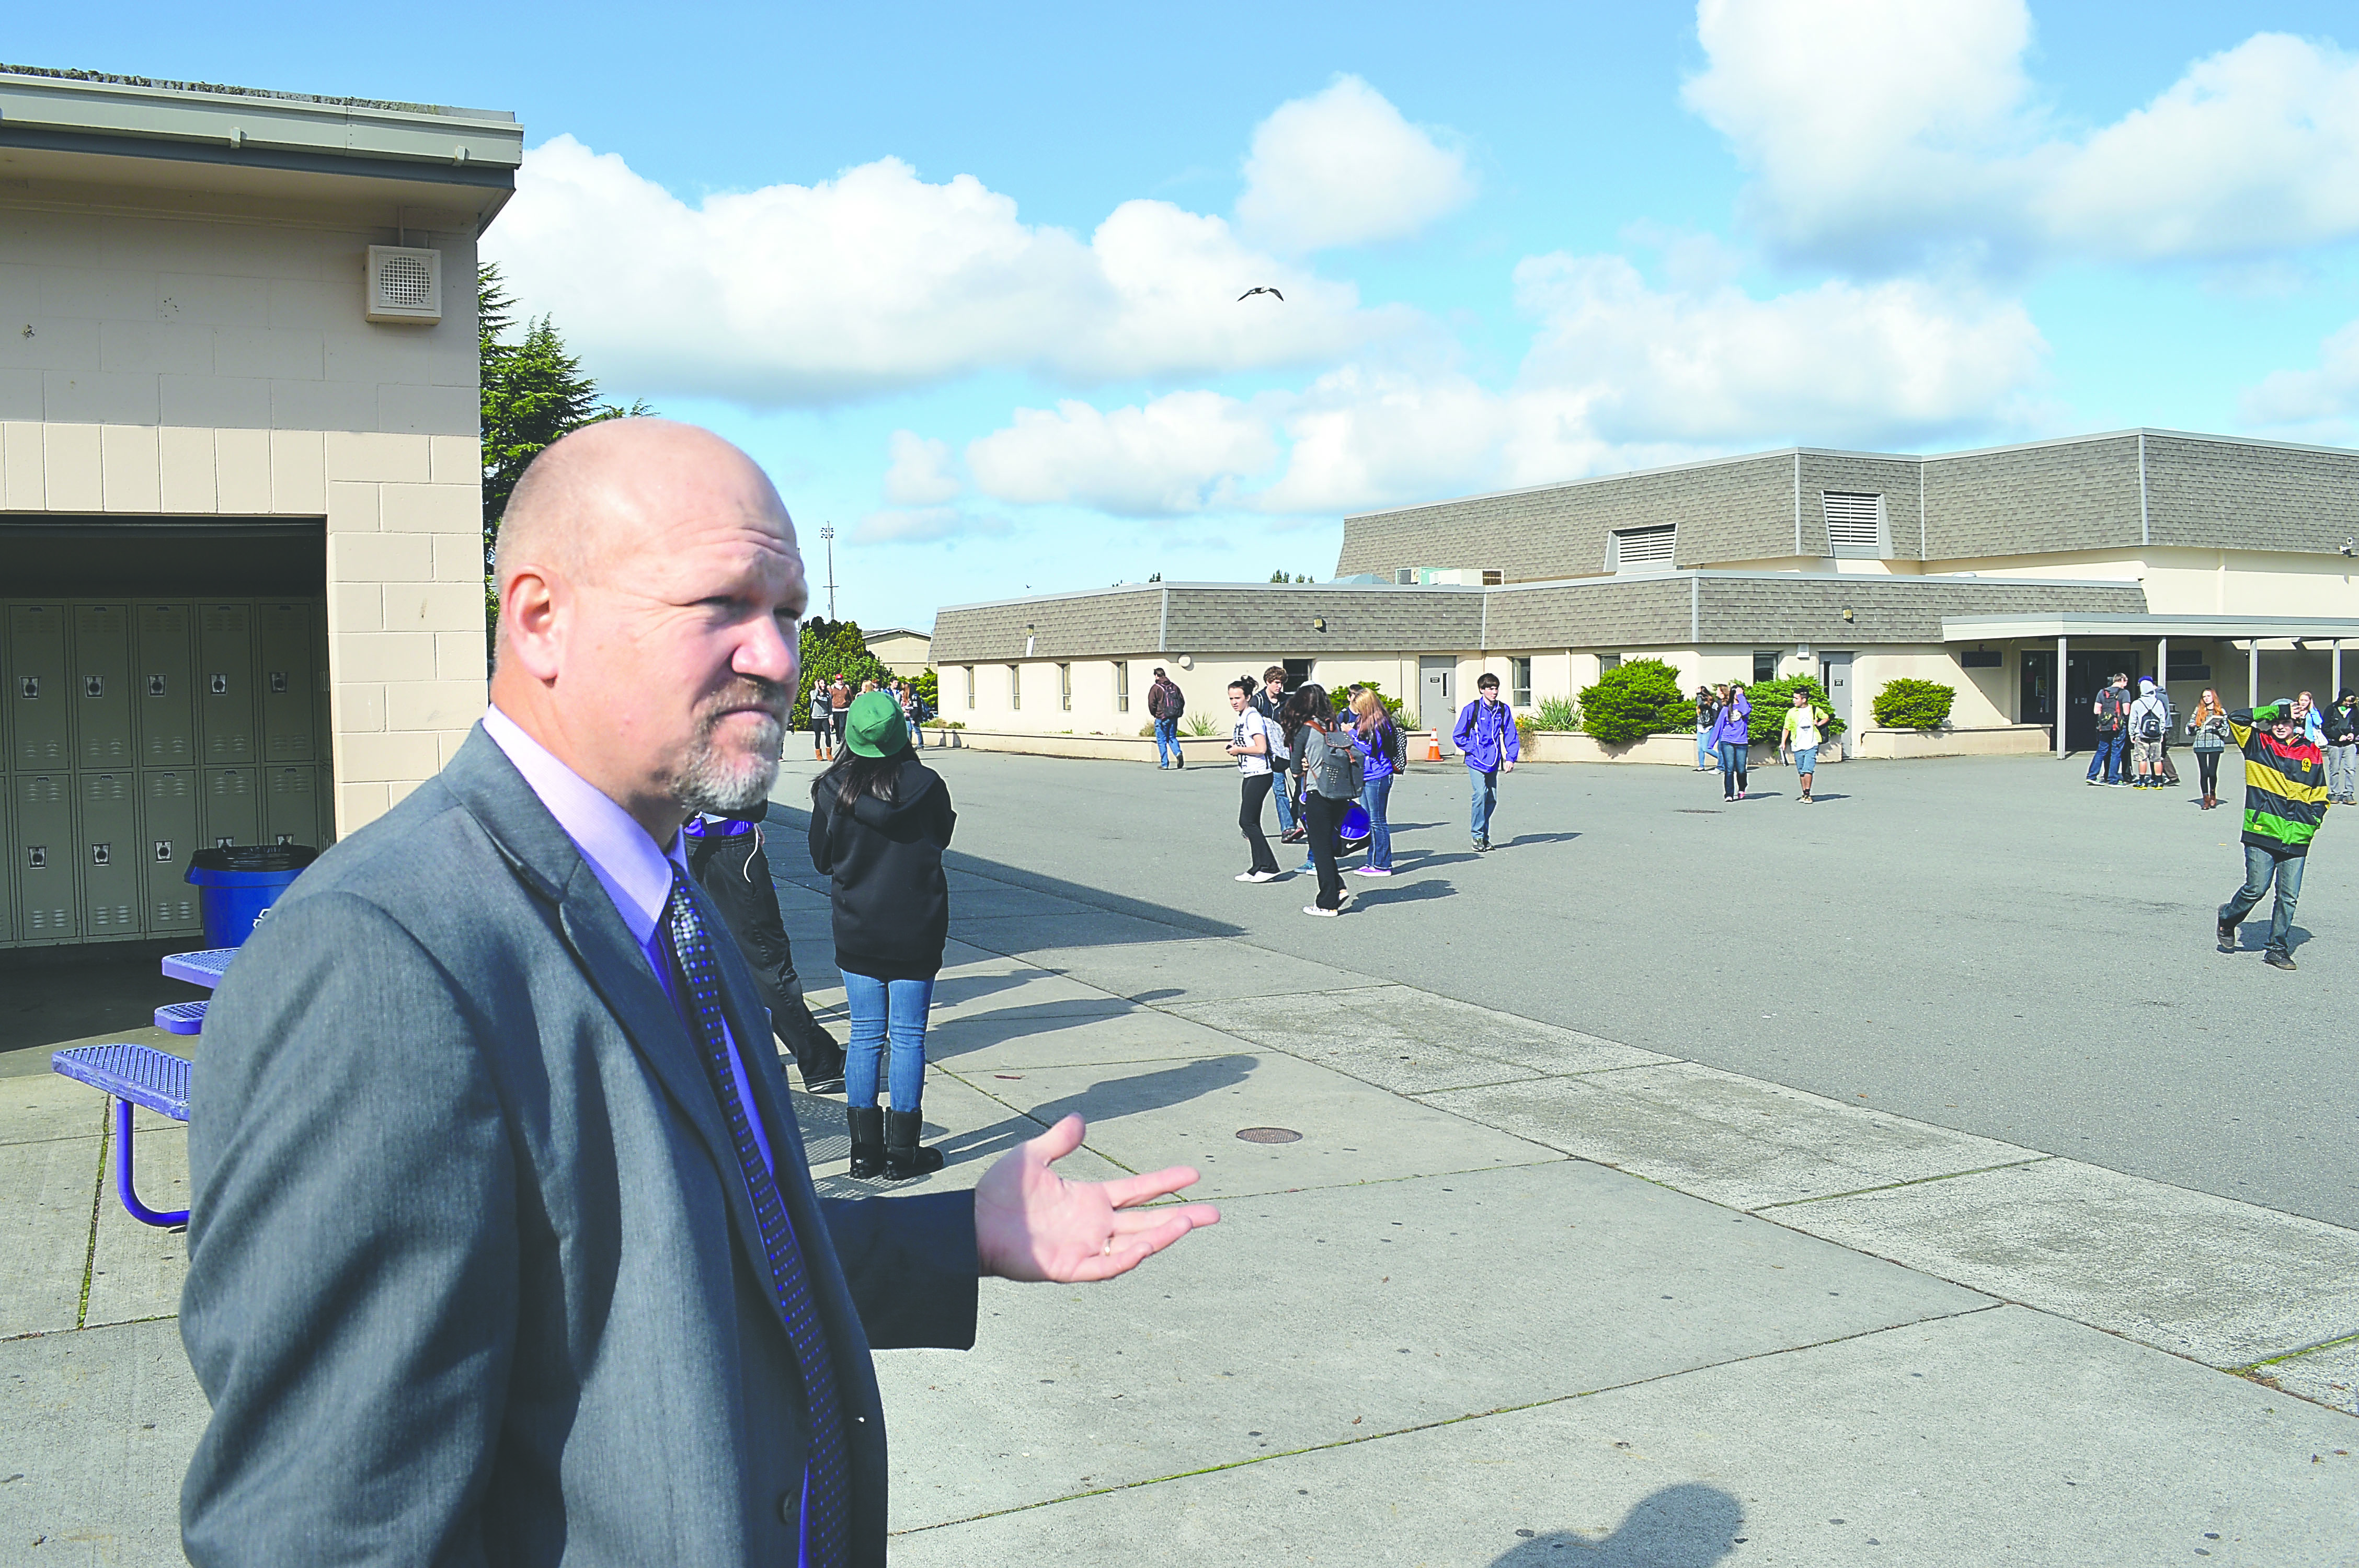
x=473 y=1277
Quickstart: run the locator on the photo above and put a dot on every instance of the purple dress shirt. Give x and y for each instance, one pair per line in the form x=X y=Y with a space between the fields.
x=634 y=869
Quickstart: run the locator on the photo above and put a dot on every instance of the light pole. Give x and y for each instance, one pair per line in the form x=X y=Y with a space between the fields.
x=827 y=533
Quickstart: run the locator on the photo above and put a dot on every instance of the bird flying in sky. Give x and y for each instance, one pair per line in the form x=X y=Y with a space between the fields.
x=1273 y=293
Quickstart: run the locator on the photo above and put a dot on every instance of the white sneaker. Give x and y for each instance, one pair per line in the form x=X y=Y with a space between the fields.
x=1256 y=876
x=1314 y=909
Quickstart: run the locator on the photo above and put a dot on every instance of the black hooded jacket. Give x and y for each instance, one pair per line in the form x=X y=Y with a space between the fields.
x=892 y=903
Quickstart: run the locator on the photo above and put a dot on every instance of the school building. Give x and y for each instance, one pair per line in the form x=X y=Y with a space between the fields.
x=2018 y=575
x=240 y=547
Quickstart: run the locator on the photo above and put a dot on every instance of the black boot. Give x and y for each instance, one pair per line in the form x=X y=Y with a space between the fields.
x=903 y=1158
x=867 y=1142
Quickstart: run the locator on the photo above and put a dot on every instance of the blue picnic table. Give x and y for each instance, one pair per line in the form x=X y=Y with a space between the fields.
x=132 y=1074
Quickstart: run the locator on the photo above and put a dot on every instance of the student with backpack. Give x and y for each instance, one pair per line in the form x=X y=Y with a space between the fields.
x=2342 y=727
x=2148 y=721
x=2111 y=708
x=1380 y=743
x=1332 y=774
x=1165 y=704
x=1268 y=702
x=1250 y=743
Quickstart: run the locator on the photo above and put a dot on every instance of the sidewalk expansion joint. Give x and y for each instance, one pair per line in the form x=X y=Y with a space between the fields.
x=97 y=1202
x=2249 y=1368
x=1911 y=1182
x=1446 y=1421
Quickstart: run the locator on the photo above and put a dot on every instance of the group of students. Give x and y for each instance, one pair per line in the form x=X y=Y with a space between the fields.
x=1318 y=760
x=831 y=707
x=1724 y=735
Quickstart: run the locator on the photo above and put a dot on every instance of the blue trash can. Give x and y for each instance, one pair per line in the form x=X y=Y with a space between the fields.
x=237 y=883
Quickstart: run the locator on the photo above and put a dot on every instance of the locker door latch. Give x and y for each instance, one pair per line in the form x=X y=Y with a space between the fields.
x=93 y=686
x=36 y=856
x=279 y=681
x=29 y=688
x=101 y=854
x=220 y=686
x=154 y=686
x=163 y=849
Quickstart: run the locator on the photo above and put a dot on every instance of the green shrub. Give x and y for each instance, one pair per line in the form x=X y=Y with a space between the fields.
x=1526 y=727
x=1556 y=713
x=1907 y=704
x=1634 y=701
x=828 y=649
x=1771 y=700
x=1198 y=724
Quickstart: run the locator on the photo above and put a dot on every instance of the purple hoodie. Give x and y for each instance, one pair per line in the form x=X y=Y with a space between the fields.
x=1735 y=723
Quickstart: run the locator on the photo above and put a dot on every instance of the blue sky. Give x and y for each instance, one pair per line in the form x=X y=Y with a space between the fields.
x=965 y=280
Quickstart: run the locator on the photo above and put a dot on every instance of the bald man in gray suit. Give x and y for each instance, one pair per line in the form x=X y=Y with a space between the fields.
x=503 y=1246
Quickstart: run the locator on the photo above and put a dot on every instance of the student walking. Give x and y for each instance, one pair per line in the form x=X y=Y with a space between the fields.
x=1165 y=704
x=1707 y=712
x=839 y=703
x=2149 y=722
x=1249 y=743
x=880 y=820
x=1382 y=751
x=727 y=858
x=1486 y=737
x=2342 y=727
x=2111 y=708
x=1331 y=774
x=2207 y=734
x=1270 y=702
x=1732 y=737
x=2285 y=800
x=1805 y=722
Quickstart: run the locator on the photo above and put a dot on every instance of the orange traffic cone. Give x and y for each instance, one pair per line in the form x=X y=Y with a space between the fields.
x=1433 y=748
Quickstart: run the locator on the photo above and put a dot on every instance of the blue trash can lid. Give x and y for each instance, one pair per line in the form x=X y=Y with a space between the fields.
x=251 y=858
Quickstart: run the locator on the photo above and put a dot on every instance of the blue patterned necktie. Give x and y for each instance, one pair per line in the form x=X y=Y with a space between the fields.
x=826 y=1531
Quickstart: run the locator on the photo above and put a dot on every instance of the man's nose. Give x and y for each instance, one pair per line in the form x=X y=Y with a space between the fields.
x=765 y=653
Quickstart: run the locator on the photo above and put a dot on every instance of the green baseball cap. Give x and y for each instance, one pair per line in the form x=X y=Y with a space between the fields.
x=873 y=728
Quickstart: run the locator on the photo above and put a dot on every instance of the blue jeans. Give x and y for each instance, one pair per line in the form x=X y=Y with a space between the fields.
x=2108 y=756
x=1734 y=757
x=1167 y=741
x=879 y=1008
x=2260 y=865
x=1703 y=748
x=1486 y=795
x=1285 y=799
x=1374 y=794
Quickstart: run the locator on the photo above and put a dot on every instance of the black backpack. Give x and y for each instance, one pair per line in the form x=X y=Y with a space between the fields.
x=2149 y=726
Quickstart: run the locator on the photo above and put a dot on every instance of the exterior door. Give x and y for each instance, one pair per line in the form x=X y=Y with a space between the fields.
x=2084 y=674
x=1437 y=693
x=1834 y=673
x=2035 y=703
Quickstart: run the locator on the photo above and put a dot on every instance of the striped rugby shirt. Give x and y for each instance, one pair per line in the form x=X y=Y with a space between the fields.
x=2284 y=784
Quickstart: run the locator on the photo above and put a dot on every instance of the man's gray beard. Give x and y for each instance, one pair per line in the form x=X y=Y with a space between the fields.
x=711 y=782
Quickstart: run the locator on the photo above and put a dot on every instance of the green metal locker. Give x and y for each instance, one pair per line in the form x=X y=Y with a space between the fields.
x=102 y=686
x=290 y=805
x=167 y=837
x=287 y=695
x=47 y=889
x=107 y=849
x=322 y=749
x=163 y=679
x=232 y=809
x=326 y=798
x=225 y=699
x=8 y=868
x=40 y=713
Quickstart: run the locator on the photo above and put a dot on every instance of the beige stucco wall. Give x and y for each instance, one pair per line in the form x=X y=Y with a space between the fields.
x=194 y=363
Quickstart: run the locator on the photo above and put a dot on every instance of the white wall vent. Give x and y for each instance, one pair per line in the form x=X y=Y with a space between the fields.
x=1644 y=549
x=405 y=284
x=1403 y=577
x=1855 y=526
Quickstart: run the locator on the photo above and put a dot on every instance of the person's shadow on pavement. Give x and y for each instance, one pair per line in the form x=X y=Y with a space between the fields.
x=1689 y=1526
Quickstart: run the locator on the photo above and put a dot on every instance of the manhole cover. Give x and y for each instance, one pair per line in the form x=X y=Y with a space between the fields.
x=1696 y=811
x=1270 y=1135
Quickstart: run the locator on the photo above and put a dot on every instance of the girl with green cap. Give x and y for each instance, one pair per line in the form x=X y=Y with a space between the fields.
x=880 y=820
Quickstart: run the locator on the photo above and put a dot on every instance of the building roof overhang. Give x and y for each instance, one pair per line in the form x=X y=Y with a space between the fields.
x=2214 y=628
x=92 y=130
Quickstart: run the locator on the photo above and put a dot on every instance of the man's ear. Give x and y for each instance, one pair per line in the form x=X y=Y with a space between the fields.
x=532 y=631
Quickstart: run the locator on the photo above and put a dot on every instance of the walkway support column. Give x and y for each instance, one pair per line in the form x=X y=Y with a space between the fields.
x=2252 y=675
x=2162 y=668
x=2059 y=699
x=2335 y=679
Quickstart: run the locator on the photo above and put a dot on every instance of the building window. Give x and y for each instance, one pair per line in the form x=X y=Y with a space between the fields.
x=1297 y=672
x=1405 y=577
x=1643 y=549
x=1765 y=665
x=1493 y=578
x=1608 y=662
x=1121 y=685
x=1014 y=686
x=1065 y=687
x=1855 y=526
x=970 y=684
x=1519 y=682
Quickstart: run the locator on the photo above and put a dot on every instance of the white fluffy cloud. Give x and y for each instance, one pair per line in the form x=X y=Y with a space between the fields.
x=925 y=526
x=1883 y=134
x=1174 y=455
x=1620 y=374
x=2327 y=397
x=878 y=280
x=919 y=474
x=1340 y=168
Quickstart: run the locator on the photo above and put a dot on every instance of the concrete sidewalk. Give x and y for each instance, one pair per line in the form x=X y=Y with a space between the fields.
x=1516 y=1294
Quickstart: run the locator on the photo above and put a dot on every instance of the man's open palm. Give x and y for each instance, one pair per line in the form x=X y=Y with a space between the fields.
x=1032 y=1223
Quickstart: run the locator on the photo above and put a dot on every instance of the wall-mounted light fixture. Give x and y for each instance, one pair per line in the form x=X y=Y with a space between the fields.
x=1847 y=615
x=1318 y=623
